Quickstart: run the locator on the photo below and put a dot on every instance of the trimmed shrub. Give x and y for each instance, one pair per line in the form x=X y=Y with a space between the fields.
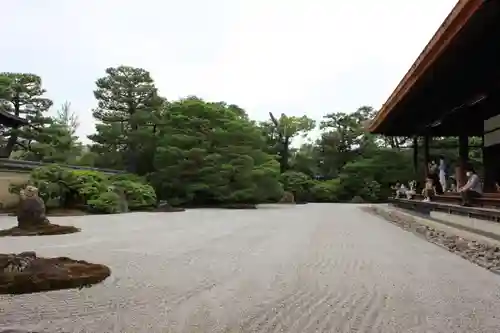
x=87 y=189
x=105 y=203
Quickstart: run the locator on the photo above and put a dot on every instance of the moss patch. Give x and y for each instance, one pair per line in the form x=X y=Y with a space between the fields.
x=44 y=274
x=41 y=230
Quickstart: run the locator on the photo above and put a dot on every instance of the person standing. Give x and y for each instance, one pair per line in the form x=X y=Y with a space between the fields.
x=433 y=174
x=442 y=172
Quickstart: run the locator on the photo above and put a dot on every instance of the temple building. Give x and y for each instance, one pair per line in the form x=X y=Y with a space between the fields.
x=453 y=88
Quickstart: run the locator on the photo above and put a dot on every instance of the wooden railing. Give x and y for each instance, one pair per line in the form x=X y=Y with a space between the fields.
x=27 y=166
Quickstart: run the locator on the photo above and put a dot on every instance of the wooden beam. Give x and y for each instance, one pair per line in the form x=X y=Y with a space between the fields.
x=451 y=26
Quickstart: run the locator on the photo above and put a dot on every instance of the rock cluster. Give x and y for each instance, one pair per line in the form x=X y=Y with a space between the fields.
x=27 y=273
x=482 y=254
x=31 y=219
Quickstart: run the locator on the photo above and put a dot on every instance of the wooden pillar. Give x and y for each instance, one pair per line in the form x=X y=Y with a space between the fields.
x=463 y=160
x=415 y=155
x=426 y=154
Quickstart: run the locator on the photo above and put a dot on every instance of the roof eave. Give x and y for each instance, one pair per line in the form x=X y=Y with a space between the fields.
x=453 y=23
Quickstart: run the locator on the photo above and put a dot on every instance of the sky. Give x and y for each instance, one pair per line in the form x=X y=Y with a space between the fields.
x=296 y=57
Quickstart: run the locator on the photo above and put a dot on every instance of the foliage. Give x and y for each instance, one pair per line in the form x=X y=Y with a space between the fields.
x=105 y=203
x=22 y=95
x=60 y=187
x=56 y=145
x=67 y=118
x=297 y=183
x=128 y=106
x=195 y=152
x=280 y=133
x=138 y=195
x=326 y=191
x=210 y=153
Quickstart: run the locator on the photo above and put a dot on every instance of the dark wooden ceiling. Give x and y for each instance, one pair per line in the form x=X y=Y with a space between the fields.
x=460 y=90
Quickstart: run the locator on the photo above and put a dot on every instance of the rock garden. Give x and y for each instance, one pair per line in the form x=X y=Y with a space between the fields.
x=482 y=254
x=28 y=273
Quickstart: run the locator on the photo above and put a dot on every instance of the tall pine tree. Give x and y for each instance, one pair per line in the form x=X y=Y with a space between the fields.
x=127 y=103
x=22 y=95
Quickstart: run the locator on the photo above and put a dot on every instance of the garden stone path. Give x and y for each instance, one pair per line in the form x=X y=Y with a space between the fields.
x=306 y=268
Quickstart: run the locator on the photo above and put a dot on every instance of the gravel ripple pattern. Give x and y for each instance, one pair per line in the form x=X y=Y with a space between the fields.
x=297 y=269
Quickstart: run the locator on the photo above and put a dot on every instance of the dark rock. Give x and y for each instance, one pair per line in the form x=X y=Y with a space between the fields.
x=43 y=274
x=31 y=213
x=287 y=198
x=164 y=206
x=123 y=203
x=357 y=199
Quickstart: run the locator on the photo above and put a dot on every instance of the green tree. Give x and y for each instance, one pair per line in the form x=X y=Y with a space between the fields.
x=280 y=133
x=210 y=153
x=306 y=159
x=67 y=117
x=344 y=139
x=22 y=95
x=127 y=111
x=55 y=144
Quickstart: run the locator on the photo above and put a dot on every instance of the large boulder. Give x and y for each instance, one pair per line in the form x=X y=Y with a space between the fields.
x=122 y=202
x=288 y=198
x=31 y=213
x=31 y=219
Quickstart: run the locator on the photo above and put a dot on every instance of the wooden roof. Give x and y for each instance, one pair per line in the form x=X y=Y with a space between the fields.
x=448 y=30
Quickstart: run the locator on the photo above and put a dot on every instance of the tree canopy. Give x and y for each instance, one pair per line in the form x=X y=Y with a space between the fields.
x=197 y=152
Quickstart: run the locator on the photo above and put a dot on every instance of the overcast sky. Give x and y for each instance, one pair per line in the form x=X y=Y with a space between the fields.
x=294 y=56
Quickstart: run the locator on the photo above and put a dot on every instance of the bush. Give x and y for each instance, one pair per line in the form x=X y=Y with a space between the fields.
x=298 y=183
x=128 y=177
x=326 y=191
x=105 y=203
x=139 y=196
x=66 y=188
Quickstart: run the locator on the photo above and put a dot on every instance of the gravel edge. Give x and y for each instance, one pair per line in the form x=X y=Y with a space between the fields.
x=481 y=254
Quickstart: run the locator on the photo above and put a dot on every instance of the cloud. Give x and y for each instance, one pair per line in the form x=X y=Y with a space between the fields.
x=297 y=56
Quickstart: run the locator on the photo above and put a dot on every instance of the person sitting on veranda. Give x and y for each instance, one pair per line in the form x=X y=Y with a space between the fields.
x=397 y=190
x=410 y=193
x=472 y=189
x=429 y=190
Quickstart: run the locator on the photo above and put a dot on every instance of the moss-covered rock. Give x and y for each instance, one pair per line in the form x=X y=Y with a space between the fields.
x=288 y=198
x=26 y=273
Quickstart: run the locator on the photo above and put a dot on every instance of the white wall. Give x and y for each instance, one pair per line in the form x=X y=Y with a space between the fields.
x=492 y=131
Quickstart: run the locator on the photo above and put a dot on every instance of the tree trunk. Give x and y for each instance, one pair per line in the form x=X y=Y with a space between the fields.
x=285 y=154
